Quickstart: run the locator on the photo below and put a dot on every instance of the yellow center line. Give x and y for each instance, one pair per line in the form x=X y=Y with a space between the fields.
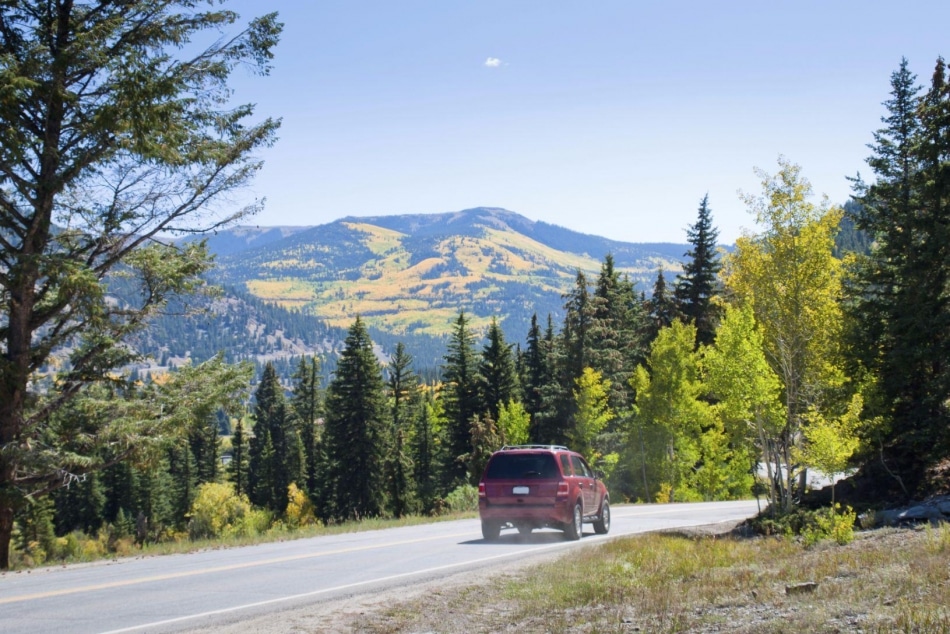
x=205 y=571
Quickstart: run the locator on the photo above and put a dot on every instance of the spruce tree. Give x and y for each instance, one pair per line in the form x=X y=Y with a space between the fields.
x=535 y=374
x=698 y=283
x=239 y=465
x=460 y=394
x=661 y=306
x=424 y=461
x=901 y=299
x=616 y=333
x=275 y=451
x=498 y=379
x=307 y=404
x=354 y=430
x=551 y=423
x=403 y=386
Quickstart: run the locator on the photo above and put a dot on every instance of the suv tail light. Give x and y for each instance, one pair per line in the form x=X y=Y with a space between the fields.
x=563 y=488
x=481 y=489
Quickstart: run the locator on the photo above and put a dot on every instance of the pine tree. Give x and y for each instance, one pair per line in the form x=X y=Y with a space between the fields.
x=275 y=451
x=205 y=447
x=698 y=284
x=552 y=422
x=424 y=454
x=661 y=306
x=239 y=466
x=460 y=378
x=307 y=405
x=615 y=343
x=534 y=371
x=901 y=299
x=498 y=380
x=354 y=430
x=117 y=129
x=403 y=386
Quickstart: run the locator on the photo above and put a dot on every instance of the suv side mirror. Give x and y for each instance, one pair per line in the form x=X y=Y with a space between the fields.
x=598 y=474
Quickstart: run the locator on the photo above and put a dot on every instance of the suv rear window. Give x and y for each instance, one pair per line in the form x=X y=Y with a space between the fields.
x=506 y=466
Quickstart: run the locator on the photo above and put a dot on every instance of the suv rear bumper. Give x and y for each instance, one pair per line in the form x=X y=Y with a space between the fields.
x=561 y=512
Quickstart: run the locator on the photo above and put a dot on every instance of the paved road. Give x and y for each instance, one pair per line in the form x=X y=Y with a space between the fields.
x=176 y=592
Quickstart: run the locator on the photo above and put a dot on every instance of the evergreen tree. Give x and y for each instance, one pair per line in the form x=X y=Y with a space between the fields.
x=534 y=372
x=403 y=386
x=698 y=284
x=117 y=128
x=900 y=299
x=424 y=454
x=181 y=470
x=354 y=430
x=615 y=342
x=79 y=505
x=307 y=404
x=498 y=380
x=205 y=447
x=238 y=468
x=275 y=451
x=460 y=377
x=551 y=423
x=661 y=306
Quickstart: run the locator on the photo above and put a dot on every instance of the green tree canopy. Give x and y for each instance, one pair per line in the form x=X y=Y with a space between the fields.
x=115 y=127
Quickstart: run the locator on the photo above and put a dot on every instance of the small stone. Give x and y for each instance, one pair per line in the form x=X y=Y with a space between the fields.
x=801 y=588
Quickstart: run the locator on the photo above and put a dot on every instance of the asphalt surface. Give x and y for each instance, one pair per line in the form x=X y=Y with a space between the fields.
x=178 y=592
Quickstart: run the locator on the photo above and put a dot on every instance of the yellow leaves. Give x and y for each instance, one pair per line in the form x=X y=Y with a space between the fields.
x=299 y=507
x=831 y=441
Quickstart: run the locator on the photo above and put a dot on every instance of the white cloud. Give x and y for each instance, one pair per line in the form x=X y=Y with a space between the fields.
x=492 y=62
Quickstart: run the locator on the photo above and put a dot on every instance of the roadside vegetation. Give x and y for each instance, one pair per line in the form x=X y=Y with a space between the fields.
x=888 y=580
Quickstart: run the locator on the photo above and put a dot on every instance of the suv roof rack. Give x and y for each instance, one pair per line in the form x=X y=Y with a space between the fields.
x=551 y=447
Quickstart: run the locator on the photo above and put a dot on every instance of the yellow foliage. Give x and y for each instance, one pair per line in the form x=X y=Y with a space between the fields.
x=299 y=507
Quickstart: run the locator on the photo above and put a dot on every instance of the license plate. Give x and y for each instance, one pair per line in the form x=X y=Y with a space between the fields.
x=520 y=491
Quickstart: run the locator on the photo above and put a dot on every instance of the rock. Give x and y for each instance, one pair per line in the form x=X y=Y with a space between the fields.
x=801 y=588
x=919 y=513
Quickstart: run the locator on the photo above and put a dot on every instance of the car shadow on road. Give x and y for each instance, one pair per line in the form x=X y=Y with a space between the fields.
x=514 y=537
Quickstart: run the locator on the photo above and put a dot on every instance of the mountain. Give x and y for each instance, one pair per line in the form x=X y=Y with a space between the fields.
x=410 y=275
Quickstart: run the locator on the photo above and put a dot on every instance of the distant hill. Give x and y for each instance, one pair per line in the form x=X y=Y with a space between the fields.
x=410 y=275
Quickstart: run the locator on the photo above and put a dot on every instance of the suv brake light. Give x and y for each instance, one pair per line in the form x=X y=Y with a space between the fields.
x=563 y=488
x=481 y=489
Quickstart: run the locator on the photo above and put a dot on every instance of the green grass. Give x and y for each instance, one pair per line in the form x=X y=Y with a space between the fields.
x=885 y=581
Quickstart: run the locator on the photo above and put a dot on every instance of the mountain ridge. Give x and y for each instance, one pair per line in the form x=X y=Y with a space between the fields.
x=414 y=273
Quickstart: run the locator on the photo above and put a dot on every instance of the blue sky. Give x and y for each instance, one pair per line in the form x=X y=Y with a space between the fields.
x=607 y=117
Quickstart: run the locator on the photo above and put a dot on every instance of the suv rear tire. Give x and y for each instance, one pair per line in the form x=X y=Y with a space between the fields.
x=490 y=530
x=575 y=528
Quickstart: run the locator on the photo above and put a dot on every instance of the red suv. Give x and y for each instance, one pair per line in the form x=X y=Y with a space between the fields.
x=538 y=486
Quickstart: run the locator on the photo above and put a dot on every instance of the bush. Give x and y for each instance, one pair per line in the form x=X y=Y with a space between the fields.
x=299 y=508
x=217 y=511
x=811 y=526
x=463 y=499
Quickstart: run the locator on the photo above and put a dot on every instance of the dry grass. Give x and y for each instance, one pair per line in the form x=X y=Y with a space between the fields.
x=885 y=581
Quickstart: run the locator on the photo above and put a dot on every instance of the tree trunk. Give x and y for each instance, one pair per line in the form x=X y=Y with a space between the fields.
x=6 y=534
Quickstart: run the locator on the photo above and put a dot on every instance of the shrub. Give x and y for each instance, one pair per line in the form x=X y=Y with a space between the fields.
x=811 y=526
x=299 y=508
x=217 y=511
x=463 y=499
